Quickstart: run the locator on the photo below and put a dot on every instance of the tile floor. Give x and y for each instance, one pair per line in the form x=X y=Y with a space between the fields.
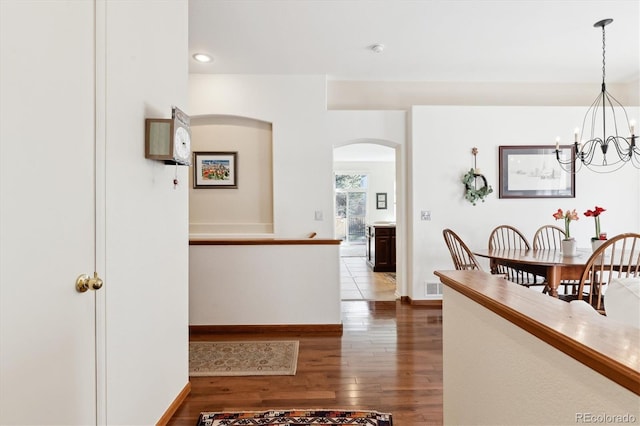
x=359 y=282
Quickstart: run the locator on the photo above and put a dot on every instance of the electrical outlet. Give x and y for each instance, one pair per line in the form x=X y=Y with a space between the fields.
x=318 y=215
x=425 y=215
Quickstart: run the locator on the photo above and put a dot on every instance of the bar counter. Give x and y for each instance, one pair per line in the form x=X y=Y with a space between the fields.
x=512 y=355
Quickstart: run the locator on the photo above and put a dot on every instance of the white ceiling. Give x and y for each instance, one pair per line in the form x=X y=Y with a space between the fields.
x=425 y=40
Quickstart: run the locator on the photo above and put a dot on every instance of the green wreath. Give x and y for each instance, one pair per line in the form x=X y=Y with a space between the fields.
x=471 y=193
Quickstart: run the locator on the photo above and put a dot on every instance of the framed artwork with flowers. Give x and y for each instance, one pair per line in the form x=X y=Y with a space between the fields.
x=215 y=170
x=532 y=171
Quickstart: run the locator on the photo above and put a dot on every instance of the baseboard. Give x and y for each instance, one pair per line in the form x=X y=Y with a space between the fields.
x=429 y=303
x=164 y=420
x=283 y=329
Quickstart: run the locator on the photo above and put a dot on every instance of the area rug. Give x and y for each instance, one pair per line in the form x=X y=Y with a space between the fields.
x=257 y=358
x=297 y=418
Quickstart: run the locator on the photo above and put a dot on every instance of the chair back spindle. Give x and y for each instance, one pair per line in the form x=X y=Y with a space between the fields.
x=506 y=237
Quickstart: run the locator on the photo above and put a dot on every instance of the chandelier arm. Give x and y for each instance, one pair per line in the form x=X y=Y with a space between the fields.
x=623 y=152
x=616 y=108
x=572 y=158
x=591 y=114
x=589 y=149
x=597 y=168
x=635 y=159
x=568 y=166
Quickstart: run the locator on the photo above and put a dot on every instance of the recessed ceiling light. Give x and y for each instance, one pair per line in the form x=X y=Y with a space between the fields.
x=202 y=57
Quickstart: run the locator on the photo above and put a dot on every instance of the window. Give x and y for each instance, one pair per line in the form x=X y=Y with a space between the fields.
x=351 y=207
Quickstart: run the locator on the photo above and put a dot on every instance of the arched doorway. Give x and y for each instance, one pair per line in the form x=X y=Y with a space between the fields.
x=368 y=191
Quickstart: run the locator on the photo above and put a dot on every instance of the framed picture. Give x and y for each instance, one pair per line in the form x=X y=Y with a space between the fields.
x=534 y=172
x=381 y=200
x=215 y=170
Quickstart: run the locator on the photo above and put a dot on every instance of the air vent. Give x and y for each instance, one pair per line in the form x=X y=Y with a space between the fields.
x=434 y=289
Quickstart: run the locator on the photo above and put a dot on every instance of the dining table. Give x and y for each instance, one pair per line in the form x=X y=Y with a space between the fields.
x=548 y=263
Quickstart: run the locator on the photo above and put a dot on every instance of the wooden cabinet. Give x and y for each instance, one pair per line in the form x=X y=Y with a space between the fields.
x=381 y=248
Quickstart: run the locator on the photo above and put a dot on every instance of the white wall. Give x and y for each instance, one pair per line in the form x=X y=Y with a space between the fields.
x=441 y=144
x=387 y=128
x=515 y=378
x=303 y=184
x=146 y=280
x=302 y=162
x=264 y=285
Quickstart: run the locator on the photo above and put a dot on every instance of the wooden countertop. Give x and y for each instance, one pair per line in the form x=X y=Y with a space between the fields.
x=606 y=346
x=261 y=241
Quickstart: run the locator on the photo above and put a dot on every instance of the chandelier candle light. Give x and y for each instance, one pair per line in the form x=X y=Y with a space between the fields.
x=586 y=152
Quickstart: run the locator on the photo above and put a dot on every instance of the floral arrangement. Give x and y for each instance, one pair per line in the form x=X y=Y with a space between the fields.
x=568 y=216
x=595 y=213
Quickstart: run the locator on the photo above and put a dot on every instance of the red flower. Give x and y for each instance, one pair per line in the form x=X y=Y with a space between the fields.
x=559 y=214
x=595 y=213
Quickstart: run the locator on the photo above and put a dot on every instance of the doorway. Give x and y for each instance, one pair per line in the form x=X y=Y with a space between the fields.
x=365 y=173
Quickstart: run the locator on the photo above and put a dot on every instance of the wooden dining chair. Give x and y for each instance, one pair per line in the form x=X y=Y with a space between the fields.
x=549 y=237
x=507 y=237
x=618 y=257
x=463 y=258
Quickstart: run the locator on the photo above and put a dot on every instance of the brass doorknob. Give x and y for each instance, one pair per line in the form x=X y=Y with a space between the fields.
x=84 y=282
x=96 y=282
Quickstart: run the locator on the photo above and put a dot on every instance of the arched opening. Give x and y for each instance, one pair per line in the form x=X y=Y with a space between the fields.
x=368 y=207
x=247 y=207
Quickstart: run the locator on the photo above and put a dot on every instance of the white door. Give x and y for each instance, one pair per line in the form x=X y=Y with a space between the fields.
x=47 y=229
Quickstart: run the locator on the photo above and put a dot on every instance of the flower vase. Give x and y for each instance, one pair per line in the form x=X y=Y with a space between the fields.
x=596 y=243
x=569 y=248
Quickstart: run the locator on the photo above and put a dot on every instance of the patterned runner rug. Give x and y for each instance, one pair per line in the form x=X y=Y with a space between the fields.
x=258 y=358
x=296 y=418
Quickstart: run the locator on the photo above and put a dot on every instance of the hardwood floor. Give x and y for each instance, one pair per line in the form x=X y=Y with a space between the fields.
x=388 y=359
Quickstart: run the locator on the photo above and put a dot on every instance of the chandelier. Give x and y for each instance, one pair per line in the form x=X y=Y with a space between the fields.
x=614 y=150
